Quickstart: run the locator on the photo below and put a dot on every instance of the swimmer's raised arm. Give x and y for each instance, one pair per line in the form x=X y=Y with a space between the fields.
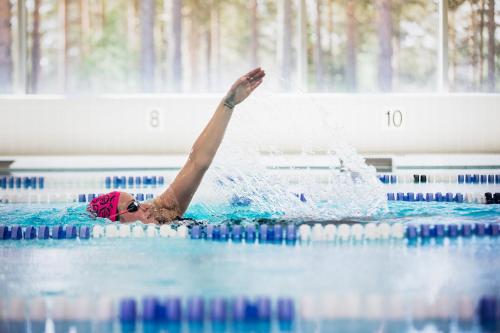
x=175 y=200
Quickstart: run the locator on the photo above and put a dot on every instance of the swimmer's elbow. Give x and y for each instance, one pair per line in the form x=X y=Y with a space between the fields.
x=199 y=163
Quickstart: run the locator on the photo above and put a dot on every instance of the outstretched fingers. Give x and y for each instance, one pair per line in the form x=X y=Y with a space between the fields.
x=259 y=75
x=252 y=72
x=255 y=85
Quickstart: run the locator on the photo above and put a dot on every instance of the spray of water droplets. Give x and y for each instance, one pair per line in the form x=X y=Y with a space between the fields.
x=240 y=179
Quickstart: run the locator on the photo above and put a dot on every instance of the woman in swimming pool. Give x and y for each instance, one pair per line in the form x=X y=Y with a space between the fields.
x=171 y=204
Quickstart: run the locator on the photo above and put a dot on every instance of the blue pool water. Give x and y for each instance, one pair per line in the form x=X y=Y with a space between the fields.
x=442 y=283
x=414 y=212
x=336 y=286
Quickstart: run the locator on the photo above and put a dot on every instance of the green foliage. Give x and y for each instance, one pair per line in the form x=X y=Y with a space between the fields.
x=106 y=58
x=107 y=66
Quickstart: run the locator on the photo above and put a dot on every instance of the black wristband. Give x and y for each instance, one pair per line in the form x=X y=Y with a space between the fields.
x=229 y=104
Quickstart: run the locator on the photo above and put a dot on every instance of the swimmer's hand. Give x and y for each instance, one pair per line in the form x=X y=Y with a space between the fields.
x=243 y=87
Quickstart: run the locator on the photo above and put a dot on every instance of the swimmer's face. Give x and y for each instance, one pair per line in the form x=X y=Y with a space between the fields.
x=143 y=214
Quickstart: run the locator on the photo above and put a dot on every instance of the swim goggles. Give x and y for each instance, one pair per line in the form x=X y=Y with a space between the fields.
x=131 y=208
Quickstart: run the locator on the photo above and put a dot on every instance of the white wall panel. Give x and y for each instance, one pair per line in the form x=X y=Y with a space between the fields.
x=39 y=125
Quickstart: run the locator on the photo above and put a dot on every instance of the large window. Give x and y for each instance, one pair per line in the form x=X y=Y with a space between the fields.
x=474 y=48
x=192 y=46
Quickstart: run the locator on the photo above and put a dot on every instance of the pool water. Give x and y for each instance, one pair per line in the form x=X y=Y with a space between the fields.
x=397 y=211
x=344 y=286
x=405 y=283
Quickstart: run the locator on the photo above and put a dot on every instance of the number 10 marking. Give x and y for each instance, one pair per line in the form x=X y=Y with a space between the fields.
x=394 y=118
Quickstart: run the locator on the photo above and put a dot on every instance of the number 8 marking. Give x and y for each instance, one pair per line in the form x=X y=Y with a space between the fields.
x=154 y=119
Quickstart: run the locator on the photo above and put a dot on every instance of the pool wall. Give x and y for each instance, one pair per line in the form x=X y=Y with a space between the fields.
x=168 y=124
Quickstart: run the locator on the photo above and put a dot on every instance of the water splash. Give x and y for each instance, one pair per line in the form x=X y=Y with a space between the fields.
x=347 y=187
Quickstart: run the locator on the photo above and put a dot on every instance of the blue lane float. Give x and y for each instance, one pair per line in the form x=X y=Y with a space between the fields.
x=181 y=314
x=43 y=232
x=197 y=309
x=4 y=232
x=263 y=233
x=82 y=198
x=16 y=232
x=463 y=179
x=466 y=197
x=488 y=197
x=122 y=182
x=70 y=231
x=30 y=232
x=11 y=182
x=39 y=182
x=58 y=232
x=84 y=232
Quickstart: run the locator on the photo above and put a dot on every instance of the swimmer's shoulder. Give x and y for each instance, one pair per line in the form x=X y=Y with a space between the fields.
x=164 y=211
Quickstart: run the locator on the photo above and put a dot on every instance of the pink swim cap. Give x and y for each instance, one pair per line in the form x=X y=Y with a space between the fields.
x=105 y=205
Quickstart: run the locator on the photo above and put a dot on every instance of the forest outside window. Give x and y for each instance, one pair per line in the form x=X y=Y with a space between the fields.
x=193 y=46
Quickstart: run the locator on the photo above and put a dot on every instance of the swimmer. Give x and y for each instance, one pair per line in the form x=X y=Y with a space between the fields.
x=173 y=203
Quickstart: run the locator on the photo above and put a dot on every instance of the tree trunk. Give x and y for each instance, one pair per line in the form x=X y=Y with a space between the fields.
x=481 y=44
x=302 y=73
x=385 y=44
x=351 y=53
x=318 y=57
x=452 y=44
x=132 y=42
x=176 y=45
x=215 y=54
x=62 y=68
x=147 y=14
x=103 y=14
x=84 y=28
x=254 y=34
x=193 y=49
x=491 y=45
x=473 y=43
x=35 y=49
x=396 y=42
x=331 y=52
x=285 y=42
x=131 y=19
x=208 y=57
x=5 y=47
